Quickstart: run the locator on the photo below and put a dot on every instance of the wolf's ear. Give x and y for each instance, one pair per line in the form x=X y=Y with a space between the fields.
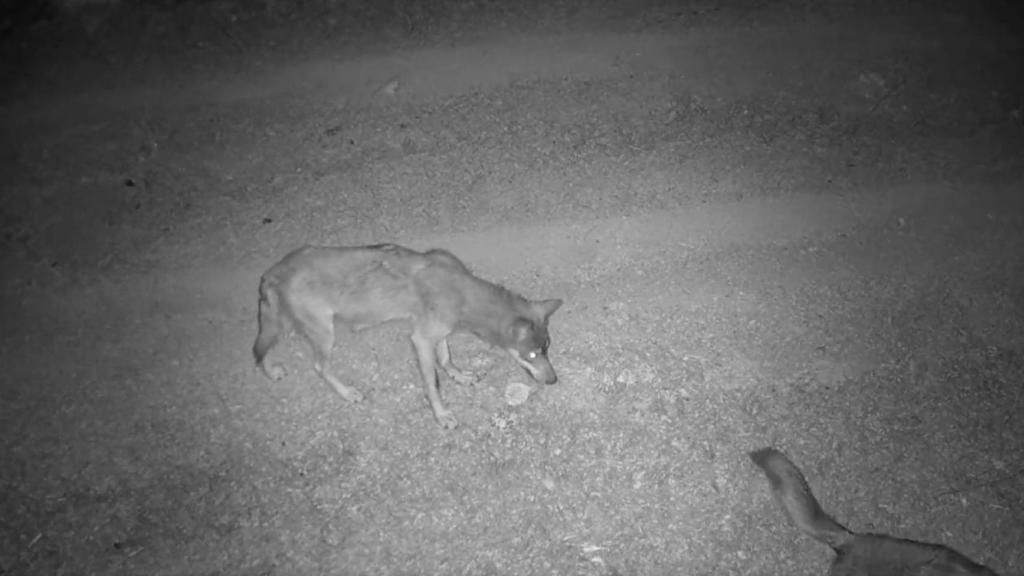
x=545 y=308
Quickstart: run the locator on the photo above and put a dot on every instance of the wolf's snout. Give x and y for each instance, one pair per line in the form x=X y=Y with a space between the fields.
x=545 y=374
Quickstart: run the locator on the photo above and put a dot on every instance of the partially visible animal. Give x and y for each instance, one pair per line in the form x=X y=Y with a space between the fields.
x=313 y=286
x=857 y=554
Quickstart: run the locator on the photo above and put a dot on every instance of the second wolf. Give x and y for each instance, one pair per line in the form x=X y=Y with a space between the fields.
x=857 y=554
x=361 y=287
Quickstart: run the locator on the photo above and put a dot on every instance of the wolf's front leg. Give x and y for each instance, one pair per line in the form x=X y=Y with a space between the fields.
x=425 y=346
x=444 y=356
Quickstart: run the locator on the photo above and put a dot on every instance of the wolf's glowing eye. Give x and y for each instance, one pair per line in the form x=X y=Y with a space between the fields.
x=531 y=355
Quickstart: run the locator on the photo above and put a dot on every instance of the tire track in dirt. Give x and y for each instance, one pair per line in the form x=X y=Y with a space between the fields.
x=211 y=306
x=548 y=253
x=555 y=258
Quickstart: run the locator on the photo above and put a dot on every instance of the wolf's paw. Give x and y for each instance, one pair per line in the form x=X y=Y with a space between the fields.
x=352 y=395
x=462 y=377
x=274 y=371
x=446 y=419
x=348 y=393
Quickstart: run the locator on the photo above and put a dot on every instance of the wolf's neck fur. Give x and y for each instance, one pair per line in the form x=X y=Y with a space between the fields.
x=488 y=314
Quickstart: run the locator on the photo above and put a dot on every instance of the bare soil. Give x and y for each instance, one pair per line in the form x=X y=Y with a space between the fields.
x=790 y=224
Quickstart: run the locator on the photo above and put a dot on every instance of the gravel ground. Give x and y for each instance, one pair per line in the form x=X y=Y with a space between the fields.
x=767 y=231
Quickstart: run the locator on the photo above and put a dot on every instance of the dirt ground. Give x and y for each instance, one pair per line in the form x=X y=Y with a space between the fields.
x=798 y=225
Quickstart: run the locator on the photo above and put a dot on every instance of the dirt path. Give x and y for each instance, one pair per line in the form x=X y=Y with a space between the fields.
x=773 y=234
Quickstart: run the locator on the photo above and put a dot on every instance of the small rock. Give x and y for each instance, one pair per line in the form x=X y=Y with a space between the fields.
x=516 y=393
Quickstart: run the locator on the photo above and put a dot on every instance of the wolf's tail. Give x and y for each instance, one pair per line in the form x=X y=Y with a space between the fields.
x=794 y=495
x=269 y=319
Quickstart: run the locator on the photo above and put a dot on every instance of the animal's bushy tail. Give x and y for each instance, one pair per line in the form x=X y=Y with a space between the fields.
x=794 y=495
x=270 y=321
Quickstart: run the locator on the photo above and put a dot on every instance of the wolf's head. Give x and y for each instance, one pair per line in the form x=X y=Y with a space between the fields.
x=530 y=340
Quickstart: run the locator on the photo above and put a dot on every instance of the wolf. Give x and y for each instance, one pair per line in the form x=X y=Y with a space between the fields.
x=433 y=291
x=857 y=554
